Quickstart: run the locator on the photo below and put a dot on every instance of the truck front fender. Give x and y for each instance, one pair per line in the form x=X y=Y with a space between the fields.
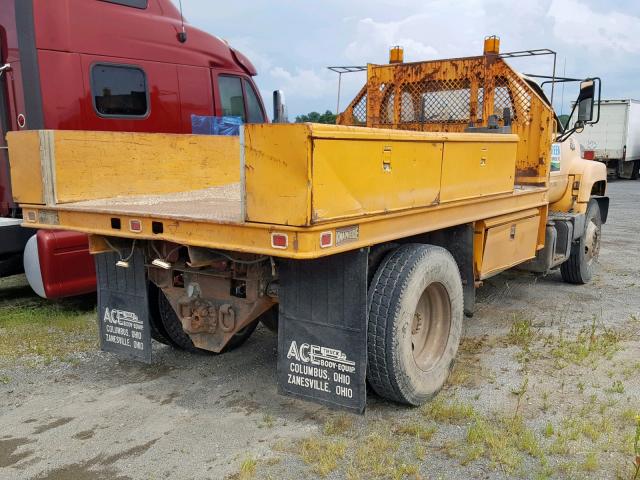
x=592 y=177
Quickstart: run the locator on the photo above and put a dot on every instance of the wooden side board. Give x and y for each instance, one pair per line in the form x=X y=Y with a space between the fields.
x=52 y=167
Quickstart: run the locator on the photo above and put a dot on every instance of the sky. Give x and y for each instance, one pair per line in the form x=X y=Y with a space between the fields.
x=291 y=42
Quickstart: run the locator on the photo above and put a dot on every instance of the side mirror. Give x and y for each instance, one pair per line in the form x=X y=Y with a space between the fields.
x=279 y=107
x=586 y=101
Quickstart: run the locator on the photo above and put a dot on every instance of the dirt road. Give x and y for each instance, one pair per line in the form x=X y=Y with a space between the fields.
x=547 y=386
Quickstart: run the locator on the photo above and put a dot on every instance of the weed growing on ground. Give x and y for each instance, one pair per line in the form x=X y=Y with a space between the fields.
x=636 y=451
x=590 y=463
x=416 y=430
x=521 y=332
x=248 y=468
x=520 y=392
x=420 y=451
x=322 y=454
x=503 y=441
x=338 y=425
x=375 y=457
x=589 y=344
x=448 y=412
x=616 y=387
x=267 y=421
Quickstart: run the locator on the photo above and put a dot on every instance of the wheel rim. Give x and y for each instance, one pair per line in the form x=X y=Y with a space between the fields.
x=430 y=327
x=591 y=242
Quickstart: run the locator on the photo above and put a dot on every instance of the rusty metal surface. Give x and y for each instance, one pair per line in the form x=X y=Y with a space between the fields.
x=217 y=298
x=452 y=95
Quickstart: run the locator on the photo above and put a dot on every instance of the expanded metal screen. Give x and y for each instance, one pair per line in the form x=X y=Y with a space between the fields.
x=451 y=96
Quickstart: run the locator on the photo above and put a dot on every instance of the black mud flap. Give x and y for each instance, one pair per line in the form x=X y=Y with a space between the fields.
x=322 y=333
x=123 y=308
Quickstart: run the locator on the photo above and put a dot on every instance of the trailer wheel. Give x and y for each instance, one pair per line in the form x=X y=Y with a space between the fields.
x=180 y=339
x=578 y=269
x=415 y=322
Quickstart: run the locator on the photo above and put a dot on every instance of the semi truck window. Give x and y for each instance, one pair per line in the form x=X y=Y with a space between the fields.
x=130 y=3
x=254 y=112
x=231 y=96
x=119 y=91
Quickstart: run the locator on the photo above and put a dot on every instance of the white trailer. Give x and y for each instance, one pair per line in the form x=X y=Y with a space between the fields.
x=615 y=139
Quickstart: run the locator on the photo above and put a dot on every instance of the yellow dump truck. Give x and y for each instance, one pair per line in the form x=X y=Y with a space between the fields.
x=362 y=242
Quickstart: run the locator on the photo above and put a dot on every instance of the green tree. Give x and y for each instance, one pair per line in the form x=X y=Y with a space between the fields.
x=315 y=117
x=563 y=119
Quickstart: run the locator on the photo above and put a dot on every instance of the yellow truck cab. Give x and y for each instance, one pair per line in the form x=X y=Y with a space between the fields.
x=362 y=243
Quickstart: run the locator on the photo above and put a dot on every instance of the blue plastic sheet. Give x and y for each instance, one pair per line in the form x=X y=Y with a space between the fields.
x=208 y=125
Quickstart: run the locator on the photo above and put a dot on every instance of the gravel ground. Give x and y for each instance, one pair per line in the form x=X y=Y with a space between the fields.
x=547 y=386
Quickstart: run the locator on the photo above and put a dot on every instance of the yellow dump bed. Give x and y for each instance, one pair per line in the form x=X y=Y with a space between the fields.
x=362 y=185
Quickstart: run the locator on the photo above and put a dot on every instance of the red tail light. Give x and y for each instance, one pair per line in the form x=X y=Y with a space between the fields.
x=279 y=240
x=326 y=239
x=589 y=155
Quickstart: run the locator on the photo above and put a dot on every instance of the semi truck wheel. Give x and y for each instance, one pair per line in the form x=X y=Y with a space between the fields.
x=415 y=322
x=179 y=338
x=580 y=266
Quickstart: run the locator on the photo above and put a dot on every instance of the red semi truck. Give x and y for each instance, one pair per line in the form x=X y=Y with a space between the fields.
x=125 y=65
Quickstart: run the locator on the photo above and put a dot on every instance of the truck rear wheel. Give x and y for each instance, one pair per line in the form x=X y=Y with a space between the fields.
x=180 y=339
x=579 y=268
x=270 y=319
x=415 y=323
x=158 y=333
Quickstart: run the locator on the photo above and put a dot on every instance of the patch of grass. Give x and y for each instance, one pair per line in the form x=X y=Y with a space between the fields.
x=590 y=463
x=416 y=430
x=375 y=457
x=267 y=421
x=5 y=379
x=630 y=370
x=590 y=343
x=629 y=415
x=338 y=425
x=448 y=412
x=560 y=445
x=547 y=431
x=420 y=452
x=576 y=427
x=521 y=333
x=616 y=387
x=322 y=454
x=545 y=402
x=47 y=329
x=636 y=450
x=247 y=469
x=503 y=441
